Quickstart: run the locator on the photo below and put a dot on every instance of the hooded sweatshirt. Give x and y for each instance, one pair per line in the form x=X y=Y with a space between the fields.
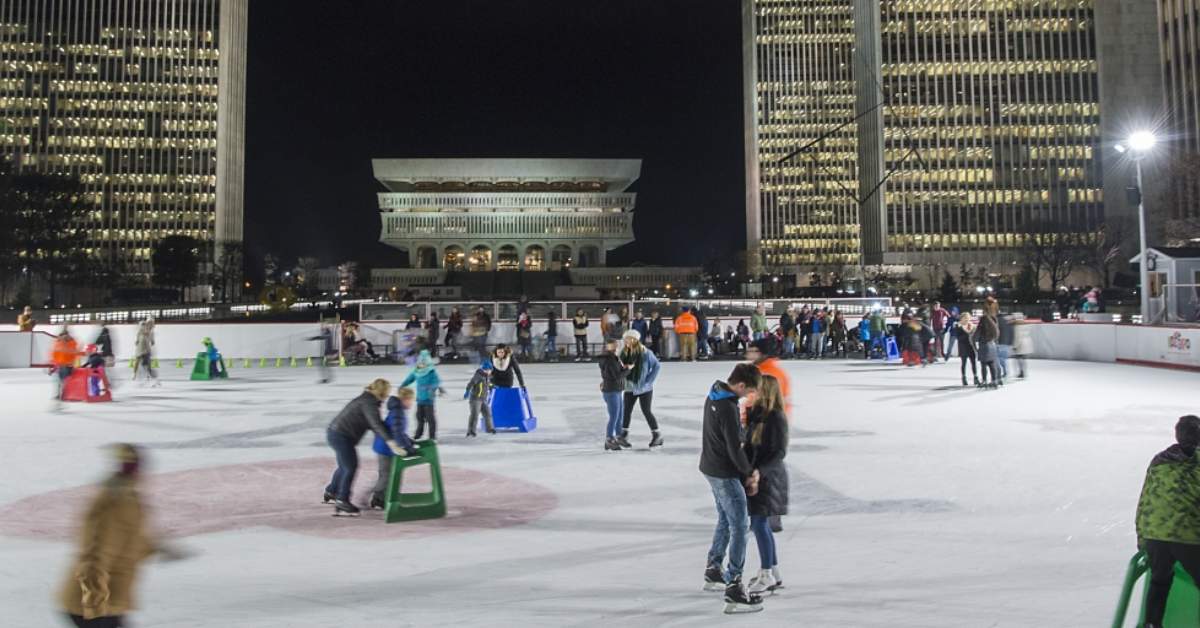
x=425 y=376
x=722 y=455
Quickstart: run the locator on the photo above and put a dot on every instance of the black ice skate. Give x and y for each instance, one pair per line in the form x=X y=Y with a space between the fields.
x=377 y=502
x=611 y=444
x=623 y=440
x=345 y=509
x=738 y=601
x=327 y=497
x=656 y=440
x=714 y=580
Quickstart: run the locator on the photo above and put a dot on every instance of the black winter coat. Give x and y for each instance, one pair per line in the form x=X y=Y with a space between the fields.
x=767 y=457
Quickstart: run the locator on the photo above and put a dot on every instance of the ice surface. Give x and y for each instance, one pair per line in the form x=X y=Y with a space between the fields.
x=914 y=502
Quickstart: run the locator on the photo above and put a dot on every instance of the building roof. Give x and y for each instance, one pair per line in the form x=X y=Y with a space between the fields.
x=1172 y=252
x=399 y=175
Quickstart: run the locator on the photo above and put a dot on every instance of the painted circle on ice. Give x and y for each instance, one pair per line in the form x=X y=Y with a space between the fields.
x=286 y=494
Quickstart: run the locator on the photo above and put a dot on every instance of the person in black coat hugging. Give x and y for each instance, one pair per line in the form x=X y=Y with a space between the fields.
x=766 y=446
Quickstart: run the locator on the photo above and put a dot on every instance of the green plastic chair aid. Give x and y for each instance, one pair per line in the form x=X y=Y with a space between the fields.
x=1183 y=603
x=201 y=370
x=399 y=506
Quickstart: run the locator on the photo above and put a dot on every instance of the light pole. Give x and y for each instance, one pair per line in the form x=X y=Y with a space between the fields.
x=1138 y=145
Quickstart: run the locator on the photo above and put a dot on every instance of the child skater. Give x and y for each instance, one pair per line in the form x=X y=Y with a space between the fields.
x=476 y=395
x=398 y=407
x=425 y=376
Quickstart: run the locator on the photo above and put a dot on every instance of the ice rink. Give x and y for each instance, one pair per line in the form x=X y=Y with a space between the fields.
x=914 y=502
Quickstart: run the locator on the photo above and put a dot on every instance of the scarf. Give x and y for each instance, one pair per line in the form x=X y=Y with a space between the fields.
x=501 y=364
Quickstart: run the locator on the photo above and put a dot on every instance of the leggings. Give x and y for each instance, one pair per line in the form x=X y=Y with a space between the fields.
x=111 y=621
x=644 y=400
x=761 y=526
x=425 y=414
x=963 y=367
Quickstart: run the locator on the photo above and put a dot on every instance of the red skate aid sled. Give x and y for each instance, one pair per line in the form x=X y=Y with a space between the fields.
x=87 y=384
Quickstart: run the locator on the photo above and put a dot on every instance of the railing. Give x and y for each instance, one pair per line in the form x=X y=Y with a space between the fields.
x=506 y=200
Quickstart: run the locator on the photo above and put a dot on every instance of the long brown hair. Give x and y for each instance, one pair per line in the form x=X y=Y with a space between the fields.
x=770 y=396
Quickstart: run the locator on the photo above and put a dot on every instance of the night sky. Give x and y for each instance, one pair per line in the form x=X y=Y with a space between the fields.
x=332 y=85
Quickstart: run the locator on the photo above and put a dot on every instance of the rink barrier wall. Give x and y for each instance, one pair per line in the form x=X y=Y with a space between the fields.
x=1161 y=346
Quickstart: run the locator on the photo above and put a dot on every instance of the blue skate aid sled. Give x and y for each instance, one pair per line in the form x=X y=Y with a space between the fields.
x=511 y=410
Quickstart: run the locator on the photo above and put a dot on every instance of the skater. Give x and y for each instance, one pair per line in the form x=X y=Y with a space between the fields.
x=686 y=327
x=432 y=327
x=864 y=335
x=114 y=541
x=144 y=346
x=939 y=318
x=551 y=352
x=714 y=338
x=758 y=355
x=960 y=334
x=64 y=353
x=1004 y=343
x=105 y=344
x=524 y=334
x=216 y=364
x=1022 y=345
x=655 y=331
x=326 y=350
x=641 y=370
x=414 y=322
x=640 y=325
x=429 y=386
x=477 y=393
x=505 y=368
x=951 y=323
x=816 y=339
x=985 y=341
x=606 y=324
x=454 y=327
x=837 y=334
x=1168 y=520
x=879 y=331
x=580 y=324
x=758 y=322
x=481 y=326
x=909 y=336
x=787 y=327
x=343 y=435
x=25 y=320
x=702 y=333
x=766 y=446
x=396 y=422
x=724 y=464
x=612 y=386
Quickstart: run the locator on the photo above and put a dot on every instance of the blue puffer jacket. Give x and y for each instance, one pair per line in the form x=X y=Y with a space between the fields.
x=397 y=425
x=649 y=373
x=864 y=329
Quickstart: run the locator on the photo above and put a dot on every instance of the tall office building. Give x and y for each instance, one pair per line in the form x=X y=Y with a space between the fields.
x=920 y=132
x=144 y=100
x=1180 y=37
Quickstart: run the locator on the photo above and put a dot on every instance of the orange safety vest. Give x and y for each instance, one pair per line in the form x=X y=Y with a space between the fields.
x=64 y=352
x=686 y=323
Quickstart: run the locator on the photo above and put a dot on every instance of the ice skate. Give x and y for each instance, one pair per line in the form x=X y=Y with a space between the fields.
x=964 y=380
x=738 y=601
x=470 y=434
x=763 y=583
x=345 y=509
x=377 y=502
x=656 y=440
x=610 y=444
x=714 y=580
x=328 y=497
x=623 y=440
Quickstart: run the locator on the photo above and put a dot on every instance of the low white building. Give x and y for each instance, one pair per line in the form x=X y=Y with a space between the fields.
x=506 y=214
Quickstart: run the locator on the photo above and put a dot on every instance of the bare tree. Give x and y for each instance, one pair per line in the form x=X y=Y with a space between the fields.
x=1105 y=247
x=1052 y=249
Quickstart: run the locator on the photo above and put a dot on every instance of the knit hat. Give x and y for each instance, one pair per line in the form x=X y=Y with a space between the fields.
x=632 y=333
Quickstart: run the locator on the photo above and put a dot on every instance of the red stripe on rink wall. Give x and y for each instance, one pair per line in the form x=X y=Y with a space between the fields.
x=286 y=495
x=1160 y=365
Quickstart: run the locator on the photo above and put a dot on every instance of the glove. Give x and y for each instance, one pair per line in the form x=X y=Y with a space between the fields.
x=396 y=448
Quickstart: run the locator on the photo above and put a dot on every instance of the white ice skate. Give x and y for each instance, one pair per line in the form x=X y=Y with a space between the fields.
x=764 y=583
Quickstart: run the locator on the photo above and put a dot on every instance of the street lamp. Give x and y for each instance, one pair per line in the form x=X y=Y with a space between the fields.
x=1138 y=145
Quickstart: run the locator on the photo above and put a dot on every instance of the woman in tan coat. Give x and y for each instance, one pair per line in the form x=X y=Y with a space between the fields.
x=113 y=543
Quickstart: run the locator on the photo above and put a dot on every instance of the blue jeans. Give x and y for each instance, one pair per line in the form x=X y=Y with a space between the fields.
x=789 y=345
x=551 y=345
x=615 y=401
x=761 y=526
x=1002 y=352
x=347 y=464
x=732 y=525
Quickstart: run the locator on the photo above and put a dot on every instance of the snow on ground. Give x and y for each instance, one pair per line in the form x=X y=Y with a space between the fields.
x=914 y=502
